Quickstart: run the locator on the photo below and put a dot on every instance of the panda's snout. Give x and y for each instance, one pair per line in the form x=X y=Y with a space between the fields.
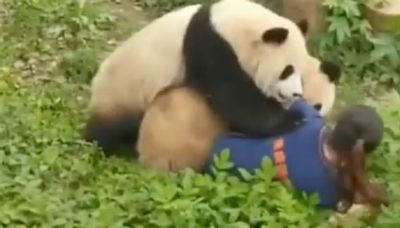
x=294 y=95
x=298 y=95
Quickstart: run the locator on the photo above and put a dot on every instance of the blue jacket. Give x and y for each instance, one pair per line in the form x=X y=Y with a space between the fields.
x=306 y=169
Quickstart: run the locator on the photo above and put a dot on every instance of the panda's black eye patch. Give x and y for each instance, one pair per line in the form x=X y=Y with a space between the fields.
x=318 y=106
x=289 y=70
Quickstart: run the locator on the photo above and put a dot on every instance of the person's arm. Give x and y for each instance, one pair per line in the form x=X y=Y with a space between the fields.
x=301 y=105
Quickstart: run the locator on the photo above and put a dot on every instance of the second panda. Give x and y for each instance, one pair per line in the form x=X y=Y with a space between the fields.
x=179 y=128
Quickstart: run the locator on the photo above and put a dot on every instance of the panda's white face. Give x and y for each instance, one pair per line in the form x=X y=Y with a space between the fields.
x=281 y=63
x=289 y=85
x=270 y=48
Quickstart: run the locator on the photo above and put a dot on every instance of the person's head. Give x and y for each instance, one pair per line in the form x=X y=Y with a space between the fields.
x=358 y=132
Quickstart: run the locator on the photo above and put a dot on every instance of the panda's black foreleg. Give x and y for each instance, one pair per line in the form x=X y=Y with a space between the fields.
x=115 y=136
x=248 y=110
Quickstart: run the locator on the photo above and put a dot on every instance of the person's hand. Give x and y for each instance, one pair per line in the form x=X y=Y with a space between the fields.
x=354 y=214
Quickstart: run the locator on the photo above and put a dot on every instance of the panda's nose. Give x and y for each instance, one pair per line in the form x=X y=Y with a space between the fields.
x=297 y=95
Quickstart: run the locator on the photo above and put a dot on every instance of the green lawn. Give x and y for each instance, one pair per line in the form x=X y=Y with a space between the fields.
x=49 y=177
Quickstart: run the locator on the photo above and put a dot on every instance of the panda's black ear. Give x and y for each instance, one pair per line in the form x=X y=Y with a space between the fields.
x=318 y=106
x=332 y=70
x=303 y=26
x=275 y=35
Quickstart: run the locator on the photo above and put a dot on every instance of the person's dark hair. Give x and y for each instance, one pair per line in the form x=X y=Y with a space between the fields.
x=358 y=131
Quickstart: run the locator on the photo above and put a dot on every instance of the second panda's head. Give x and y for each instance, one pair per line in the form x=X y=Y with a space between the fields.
x=320 y=79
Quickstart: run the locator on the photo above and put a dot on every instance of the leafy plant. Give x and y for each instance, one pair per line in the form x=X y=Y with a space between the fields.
x=351 y=39
x=386 y=168
x=72 y=21
x=51 y=178
x=35 y=33
x=80 y=65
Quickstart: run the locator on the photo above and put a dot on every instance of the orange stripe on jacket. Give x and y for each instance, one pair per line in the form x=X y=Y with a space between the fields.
x=280 y=160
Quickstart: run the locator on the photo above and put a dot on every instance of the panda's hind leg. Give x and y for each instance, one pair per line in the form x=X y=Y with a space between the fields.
x=177 y=131
x=114 y=134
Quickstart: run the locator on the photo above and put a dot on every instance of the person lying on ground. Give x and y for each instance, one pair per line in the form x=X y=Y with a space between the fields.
x=316 y=158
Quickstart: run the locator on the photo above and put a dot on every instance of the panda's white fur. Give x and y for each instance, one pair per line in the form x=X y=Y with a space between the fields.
x=233 y=53
x=141 y=66
x=179 y=128
x=177 y=131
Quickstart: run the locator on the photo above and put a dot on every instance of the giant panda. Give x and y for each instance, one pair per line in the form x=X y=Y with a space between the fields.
x=179 y=128
x=231 y=52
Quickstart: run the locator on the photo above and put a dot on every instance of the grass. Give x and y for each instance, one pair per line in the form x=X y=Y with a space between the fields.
x=49 y=177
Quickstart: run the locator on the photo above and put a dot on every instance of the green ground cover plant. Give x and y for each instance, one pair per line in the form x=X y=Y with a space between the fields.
x=49 y=177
